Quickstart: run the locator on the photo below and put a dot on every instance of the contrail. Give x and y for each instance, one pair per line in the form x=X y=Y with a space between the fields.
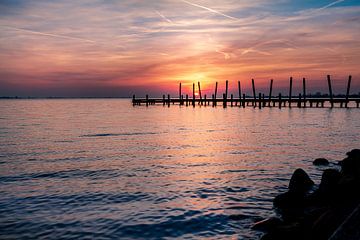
x=48 y=34
x=163 y=17
x=329 y=5
x=209 y=9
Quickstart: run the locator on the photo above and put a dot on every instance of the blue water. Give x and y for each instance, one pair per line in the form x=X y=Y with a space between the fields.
x=104 y=169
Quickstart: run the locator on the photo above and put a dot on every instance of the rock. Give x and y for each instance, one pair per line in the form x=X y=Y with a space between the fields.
x=328 y=186
x=267 y=224
x=320 y=161
x=350 y=166
x=300 y=182
x=288 y=200
x=329 y=179
x=355 y=153
x=293 y=231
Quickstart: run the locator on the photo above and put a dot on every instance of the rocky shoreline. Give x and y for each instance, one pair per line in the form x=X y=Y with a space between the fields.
x=317 y=212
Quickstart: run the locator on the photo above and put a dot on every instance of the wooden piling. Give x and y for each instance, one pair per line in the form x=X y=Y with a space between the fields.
x=133 y=99
x=304 y=92
x=180 y=93
x=213 y=101
x=243 y=103
x=347 y=92
x=290 y=91
x=299 y=102
x=205 y=99
x=279 y=100
x=215 y=94
x=147 y=100
x=330 y=91
x=231 y=100
x=270 y=93
x=200 y=93
x=193 y=99
x=168 y=100
x=254 y=93
x=224 y=100
x=226 y=89
x=187 y=100
x=239 y=89
x=260 y=101
x=163 y=99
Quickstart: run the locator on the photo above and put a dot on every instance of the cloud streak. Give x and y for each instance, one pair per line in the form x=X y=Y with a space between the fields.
x=210 y=10
x=47 y=34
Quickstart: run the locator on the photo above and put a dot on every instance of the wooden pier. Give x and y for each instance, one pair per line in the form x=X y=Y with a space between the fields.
x=301 y=101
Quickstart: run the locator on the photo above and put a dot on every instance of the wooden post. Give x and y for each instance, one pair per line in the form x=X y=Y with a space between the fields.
x=168 y=100
x=348 y=91
x=304 y=92
x=205 y=99
x=147 y=100
x=232 y=97
x=215 y=94
x=280 y=100
x=239 y=88
x=254 y=93
x=193 y=99
x=226 y=89
x=180 y=94
x=290 y=91
x=187 y=100
x=200 y=93
x=224 y=100
x=164 y=100
x=213 y=101
x=299 y=102
x=133 y=100
x=243 y=103
x=330 y=91
x=270 y=93
x=259 y=100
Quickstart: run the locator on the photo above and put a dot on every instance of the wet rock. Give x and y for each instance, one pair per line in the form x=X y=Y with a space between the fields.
x=326 y=192
x=355 y=153
x=350 y=166
x=267 y=224
x=329 y=179
x=320 y=161
x=300 y=182
x=293 y=231
x=290 y=199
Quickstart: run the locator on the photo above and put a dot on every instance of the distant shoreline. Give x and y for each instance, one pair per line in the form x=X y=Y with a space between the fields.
x=19 y=97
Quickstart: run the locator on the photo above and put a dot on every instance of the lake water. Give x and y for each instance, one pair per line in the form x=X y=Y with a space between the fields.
x=103 y=169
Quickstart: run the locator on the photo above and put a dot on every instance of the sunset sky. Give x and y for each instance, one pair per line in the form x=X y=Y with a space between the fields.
x=107 y=48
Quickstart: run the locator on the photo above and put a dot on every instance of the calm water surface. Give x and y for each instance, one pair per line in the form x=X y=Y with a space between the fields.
x=104 y=169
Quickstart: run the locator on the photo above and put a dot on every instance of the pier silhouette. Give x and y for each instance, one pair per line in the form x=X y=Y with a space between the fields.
x=259 y=101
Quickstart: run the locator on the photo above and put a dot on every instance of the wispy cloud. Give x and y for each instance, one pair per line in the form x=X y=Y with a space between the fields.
x=163 y=17
x=330 y=5
x=210 y=10
x=48 y=34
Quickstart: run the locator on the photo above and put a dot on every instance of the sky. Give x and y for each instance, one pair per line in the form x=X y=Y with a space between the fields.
x=116 y=48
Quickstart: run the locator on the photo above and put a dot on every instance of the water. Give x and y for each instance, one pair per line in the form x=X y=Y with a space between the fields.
x=104 y=169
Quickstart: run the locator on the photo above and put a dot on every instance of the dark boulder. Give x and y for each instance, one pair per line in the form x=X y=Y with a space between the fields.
x=267 y=224
x=350 y=166
x=320 y=161
x=355 y=153
x=300 y=182
x=329 y=180
x=328 y=187
x=289 y=200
